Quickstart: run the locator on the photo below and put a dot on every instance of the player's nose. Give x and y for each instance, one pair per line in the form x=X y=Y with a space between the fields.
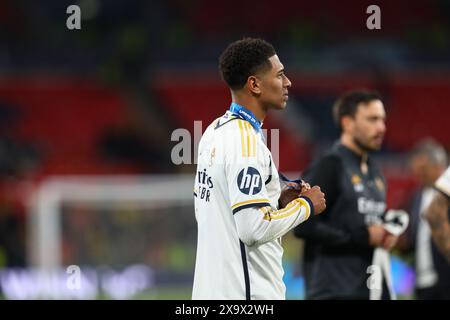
x=288 y=83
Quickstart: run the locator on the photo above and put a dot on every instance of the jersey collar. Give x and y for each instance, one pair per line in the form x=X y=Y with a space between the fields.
x=352 y=154
x=246 y=114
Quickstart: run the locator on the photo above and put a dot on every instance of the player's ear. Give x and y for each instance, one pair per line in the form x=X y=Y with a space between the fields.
x=347 y=123
x=254 y=85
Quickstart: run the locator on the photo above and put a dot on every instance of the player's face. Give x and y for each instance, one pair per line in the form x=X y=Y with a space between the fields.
x=369 y=125
x=274 y=86
x=424 y=170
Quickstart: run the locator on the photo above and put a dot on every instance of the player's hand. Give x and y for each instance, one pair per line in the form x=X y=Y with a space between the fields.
x=317 y=198
x=287 y=195
x=304 y=187
x=376 y=235
x=300 y=187
x=291 y=192
x=389 y=241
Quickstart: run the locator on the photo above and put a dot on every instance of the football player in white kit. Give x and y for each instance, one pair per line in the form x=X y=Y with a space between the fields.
x=240 y=209
x=438 y=214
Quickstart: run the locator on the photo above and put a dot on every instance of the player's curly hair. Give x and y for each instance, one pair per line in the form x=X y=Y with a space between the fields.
x=244 y=58
x=348 y=103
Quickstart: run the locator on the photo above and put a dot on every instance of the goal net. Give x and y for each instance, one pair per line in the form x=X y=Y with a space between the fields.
x=103 y=237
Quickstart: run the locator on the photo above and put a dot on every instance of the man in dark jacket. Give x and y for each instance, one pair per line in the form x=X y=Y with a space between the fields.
x=339 y=245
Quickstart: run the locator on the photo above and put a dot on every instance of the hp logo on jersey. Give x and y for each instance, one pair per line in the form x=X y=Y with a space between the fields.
x=249 y=181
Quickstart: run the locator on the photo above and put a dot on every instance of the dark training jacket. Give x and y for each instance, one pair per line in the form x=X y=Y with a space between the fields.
x=337 y=251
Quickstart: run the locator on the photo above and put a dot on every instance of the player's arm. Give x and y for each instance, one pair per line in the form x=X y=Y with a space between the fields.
x=257 y=218
x=326 y=174
x=437 y=215
x=256 y=226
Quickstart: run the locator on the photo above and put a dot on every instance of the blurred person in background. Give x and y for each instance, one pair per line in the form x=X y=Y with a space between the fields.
x=428 y=161
x=339 y=246
x=438 y=216
x=237 y=186
x=19 y=160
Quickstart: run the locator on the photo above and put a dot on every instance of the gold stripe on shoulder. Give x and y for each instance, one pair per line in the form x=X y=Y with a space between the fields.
x=252 y=140
x=255 y=144
x=249 y=143
x=248 y=139
x=241 y=129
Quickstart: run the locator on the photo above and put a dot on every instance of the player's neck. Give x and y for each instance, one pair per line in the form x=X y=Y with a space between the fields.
x=249 y=104
x=259 y=113
x=349 y=142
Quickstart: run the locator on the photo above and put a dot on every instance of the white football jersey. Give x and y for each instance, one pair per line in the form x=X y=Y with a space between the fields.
x=443 y=183
x=237 y=187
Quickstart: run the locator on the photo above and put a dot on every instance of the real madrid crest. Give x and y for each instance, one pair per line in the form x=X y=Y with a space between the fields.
x=357 y=183
x=212 y=156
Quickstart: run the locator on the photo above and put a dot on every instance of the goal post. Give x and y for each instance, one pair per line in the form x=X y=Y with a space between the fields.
x=152 y=193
